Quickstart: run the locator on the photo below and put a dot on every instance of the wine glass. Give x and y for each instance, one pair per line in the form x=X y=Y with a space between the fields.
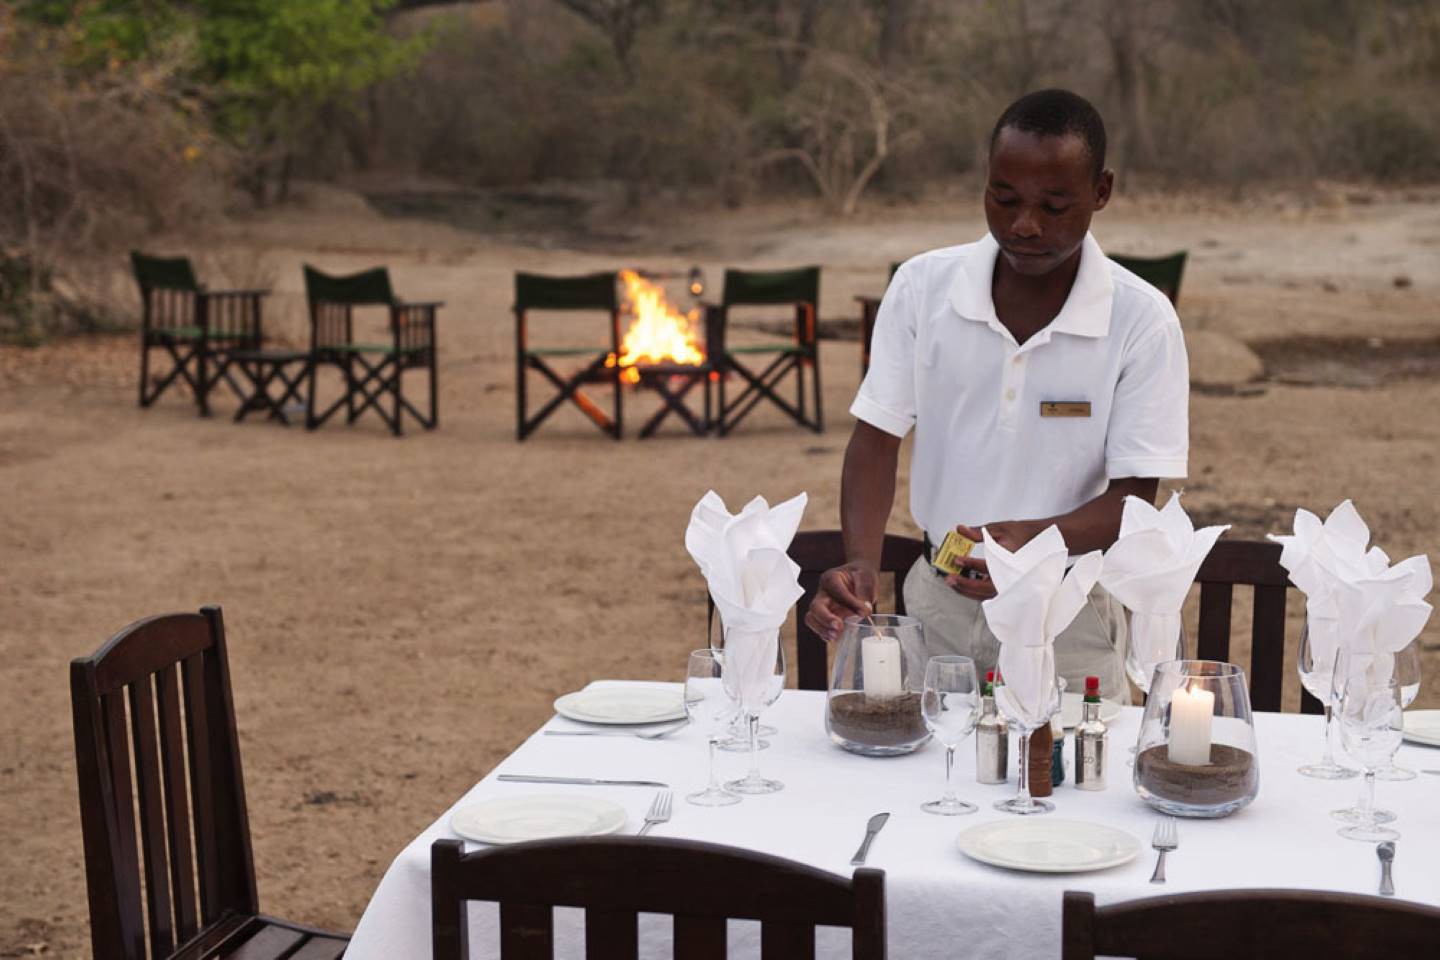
x=1370 y=668
x=754 y=682
x=710 y=710
x=738 y=740
x=1317 y=675
x=1139 y=666
x=1371 y=724
x=1407 y=674
x=1027 y=718
x=950 y=705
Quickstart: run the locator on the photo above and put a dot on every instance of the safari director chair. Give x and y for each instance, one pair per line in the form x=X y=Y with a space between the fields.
x=800 y=288
x=594 y=292
x=869 y=312
x=373 y=371
x=197 y=328
x=1162 y=273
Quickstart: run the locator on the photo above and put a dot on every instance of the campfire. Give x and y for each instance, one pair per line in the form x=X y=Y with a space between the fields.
x=659 y=333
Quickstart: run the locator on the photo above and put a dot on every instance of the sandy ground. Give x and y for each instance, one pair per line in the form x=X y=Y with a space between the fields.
x=401 y=613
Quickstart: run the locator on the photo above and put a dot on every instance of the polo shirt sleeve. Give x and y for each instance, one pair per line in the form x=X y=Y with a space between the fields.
x=886 y=399
x=1149 y=431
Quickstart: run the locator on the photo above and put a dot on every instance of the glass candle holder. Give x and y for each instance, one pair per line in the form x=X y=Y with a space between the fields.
x=877 y=682
x=1195 y=755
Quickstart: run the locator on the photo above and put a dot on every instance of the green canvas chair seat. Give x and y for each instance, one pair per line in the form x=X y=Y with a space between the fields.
x=176 y=310
x=1163 y=273
x=374 y=371
x=592 y=294
x=798 y=287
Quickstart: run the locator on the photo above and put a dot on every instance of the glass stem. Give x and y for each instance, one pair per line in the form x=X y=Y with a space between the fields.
x=754 y=719
x=1022 y=797
x=949 y=765
x=1367 y=799
x=714 y=785
x=1329 y=760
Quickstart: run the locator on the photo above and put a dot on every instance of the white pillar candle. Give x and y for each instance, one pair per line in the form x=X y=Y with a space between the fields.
x=1191 y=712
x=880 y=660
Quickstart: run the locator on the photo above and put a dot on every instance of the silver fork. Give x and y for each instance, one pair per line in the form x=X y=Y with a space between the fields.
x=1165 y=839
x=659 y=811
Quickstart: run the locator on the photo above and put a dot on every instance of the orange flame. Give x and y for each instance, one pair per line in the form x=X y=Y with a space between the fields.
x=660 y=333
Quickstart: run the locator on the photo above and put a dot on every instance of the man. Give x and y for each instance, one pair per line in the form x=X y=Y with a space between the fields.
x=1043 y=381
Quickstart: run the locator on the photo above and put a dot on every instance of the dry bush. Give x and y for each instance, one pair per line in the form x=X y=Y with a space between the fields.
x=87 y=164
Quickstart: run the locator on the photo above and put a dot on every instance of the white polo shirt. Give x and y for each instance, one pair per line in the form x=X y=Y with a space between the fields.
x=942 y=363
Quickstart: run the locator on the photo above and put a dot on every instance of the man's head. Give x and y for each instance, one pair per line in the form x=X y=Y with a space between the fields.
x=1047 y=178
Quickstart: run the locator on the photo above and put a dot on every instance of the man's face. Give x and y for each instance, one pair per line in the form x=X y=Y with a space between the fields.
x=1040 y=197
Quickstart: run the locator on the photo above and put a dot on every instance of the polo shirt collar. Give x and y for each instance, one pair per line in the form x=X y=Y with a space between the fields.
x=1086 y=312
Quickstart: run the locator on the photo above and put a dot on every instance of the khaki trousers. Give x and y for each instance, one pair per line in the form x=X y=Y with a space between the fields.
x=1093 y=644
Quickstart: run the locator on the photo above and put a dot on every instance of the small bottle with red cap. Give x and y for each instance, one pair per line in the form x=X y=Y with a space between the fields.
x=1090 y=736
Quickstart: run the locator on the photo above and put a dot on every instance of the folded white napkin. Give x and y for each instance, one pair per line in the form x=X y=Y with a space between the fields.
x=1035 y=599
x=1317 y=556
x=752 y=580
x=1150 y=569
x=1355 y=599
x=1381 y=614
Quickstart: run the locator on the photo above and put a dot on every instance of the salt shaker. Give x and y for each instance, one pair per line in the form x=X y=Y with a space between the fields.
x=992 y=739
x=1090 y=736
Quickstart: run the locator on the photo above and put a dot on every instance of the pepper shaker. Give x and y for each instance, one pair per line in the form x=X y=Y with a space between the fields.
x=992 y=738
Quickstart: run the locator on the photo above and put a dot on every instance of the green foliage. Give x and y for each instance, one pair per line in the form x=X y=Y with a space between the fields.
x=263 y=64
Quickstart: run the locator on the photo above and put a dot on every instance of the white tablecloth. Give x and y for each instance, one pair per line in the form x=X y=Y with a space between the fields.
x=940 y=903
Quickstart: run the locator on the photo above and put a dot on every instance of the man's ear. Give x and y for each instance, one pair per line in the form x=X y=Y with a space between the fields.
x=1103 y=185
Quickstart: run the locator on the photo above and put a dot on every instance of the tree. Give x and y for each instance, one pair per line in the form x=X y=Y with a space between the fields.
x=845 y=121
x=265 y=69
x=619 y=20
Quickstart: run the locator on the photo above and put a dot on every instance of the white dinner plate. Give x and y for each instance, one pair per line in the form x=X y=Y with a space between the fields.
x=536 y=817
x=622 y=704
x=1070 y=712
x=1046 y=845
x=1423 y=726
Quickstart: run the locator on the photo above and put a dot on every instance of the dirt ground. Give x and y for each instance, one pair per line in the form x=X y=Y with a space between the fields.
x=401 y=613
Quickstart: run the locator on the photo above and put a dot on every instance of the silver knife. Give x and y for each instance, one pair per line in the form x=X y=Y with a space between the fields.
x=872 y=828
x=583 y=781
x=1386 y=853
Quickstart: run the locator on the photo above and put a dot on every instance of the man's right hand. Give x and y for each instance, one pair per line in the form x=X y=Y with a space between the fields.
x=846 y=591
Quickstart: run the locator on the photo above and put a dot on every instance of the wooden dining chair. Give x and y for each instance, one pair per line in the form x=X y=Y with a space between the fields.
x=161 y=687
x=1248 y=925
x=614 y=879
x=1254 y=563
x=817 y=551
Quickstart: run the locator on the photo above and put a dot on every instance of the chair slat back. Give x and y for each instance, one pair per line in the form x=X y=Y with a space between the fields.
x=155 y=731
x=1254 y=563
x=1163 y=273
x=169 y=292
x=1248 y=925
x=817 y=551
x=699 y=884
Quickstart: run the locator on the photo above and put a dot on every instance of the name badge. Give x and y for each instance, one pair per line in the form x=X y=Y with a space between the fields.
x=1064 y=408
